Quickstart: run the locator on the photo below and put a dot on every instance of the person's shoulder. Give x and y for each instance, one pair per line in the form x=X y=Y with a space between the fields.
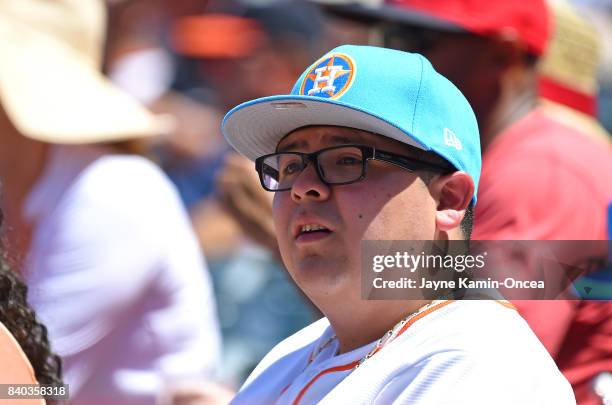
x=125 y=183
x=539 y=160
x=132 y=173
x=538 y=134
x=488 y=342
x=17 y=367
x=489 y=330
x=291 y=348
x=488 y=325
x=495 y=334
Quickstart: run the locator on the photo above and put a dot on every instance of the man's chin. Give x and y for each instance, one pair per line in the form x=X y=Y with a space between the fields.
x=315 y=264
x=320 y=273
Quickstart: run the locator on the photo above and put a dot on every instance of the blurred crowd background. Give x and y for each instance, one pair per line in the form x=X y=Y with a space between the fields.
x=189 y=62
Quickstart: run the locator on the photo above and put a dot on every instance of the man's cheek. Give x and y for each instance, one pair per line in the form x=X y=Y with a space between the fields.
x=285 y=252
x=279 y=214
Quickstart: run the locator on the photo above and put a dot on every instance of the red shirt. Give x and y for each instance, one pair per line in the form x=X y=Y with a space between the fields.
x=542 y=180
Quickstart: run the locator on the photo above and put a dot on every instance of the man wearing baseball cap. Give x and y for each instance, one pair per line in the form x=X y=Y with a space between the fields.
x=538 y=171
x=374 y=144
x=112 y=265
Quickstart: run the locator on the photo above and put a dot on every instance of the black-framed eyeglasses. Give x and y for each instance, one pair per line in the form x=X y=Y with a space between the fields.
x=336 y=165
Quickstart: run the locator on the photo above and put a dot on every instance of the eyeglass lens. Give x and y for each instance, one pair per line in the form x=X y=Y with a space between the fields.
x=336 y=166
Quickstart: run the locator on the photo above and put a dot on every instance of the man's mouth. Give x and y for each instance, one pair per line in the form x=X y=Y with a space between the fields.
x=311 y=232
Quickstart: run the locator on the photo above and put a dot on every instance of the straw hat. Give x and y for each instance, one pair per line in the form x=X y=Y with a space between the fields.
x=573 y=55
x=50 y=82
x=568 y=71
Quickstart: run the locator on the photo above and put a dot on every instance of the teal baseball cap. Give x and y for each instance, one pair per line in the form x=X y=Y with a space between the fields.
x=391 y=93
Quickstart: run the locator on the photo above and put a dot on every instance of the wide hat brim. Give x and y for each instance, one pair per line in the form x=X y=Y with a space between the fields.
x=255 y=128
x=54 y=94
x=389 y=13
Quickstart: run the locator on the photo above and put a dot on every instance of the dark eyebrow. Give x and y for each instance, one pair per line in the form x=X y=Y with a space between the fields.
x=291 y=146
x=337 y=139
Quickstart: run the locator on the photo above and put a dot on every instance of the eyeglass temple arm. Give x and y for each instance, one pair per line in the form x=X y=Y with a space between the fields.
x=408 y=163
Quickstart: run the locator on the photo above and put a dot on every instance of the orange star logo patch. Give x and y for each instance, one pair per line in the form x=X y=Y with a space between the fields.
x=329 y=77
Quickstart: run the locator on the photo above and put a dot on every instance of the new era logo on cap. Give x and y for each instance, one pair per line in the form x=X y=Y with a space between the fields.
x=329 y=77
x=451 y=139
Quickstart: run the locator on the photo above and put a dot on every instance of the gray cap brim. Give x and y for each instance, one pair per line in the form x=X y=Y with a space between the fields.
x=254 y=128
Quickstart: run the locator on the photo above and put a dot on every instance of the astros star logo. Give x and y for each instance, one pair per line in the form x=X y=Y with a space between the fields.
x=330 y=77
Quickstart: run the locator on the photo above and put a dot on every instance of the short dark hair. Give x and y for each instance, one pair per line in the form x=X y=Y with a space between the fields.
x=467 y=223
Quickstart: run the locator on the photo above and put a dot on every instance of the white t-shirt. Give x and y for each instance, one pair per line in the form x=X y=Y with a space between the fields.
x=458 y=352
x=116 y=274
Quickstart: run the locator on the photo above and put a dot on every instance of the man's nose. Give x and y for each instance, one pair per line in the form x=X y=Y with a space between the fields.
x=308 y=185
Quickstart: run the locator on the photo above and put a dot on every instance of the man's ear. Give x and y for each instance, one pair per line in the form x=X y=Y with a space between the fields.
x=453 y=193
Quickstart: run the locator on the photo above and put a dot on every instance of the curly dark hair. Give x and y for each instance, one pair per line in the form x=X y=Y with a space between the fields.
x=21 y=321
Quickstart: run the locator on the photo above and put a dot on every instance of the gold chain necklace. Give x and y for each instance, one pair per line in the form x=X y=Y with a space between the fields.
x=393 y=332
x=389 y=336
